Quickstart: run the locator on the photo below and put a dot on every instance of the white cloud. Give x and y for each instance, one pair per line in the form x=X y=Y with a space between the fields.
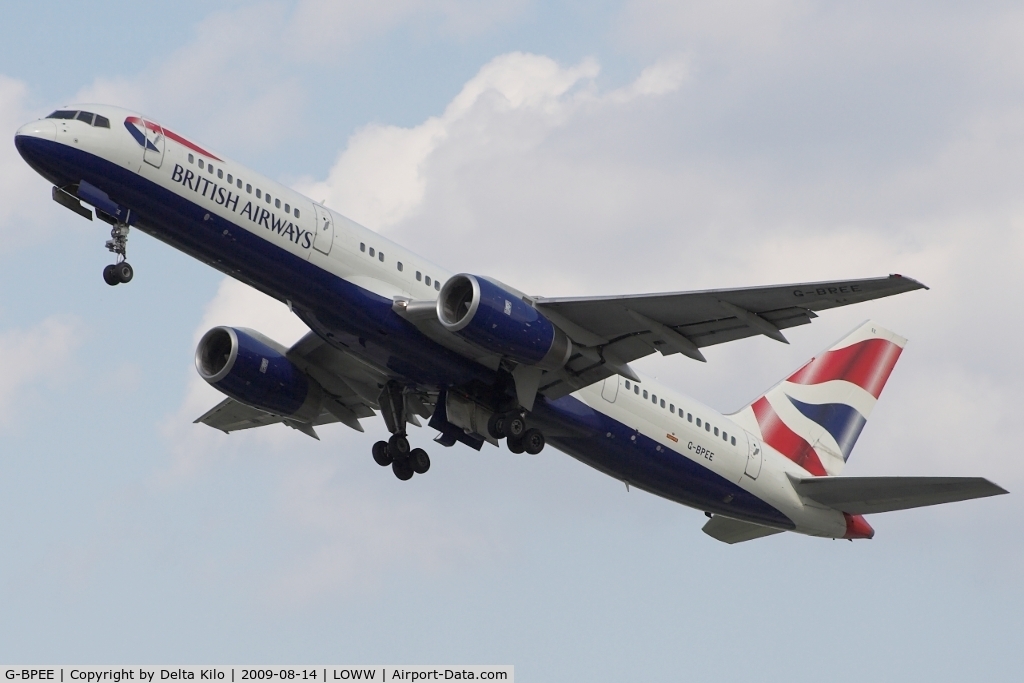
x=238 y=80
x=33 y=355
x=508 y=107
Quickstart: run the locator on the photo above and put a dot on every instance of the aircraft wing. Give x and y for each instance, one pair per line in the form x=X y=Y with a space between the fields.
x=867 y=495
x=609 y=332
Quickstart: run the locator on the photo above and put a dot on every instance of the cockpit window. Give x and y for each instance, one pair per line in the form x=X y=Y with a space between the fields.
x=84 y=116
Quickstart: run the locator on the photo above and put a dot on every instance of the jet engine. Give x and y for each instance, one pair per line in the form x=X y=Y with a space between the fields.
x=493 y=318
x=252 y=369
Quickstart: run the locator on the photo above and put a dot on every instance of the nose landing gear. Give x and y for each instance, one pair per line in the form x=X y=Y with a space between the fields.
x=120 y=271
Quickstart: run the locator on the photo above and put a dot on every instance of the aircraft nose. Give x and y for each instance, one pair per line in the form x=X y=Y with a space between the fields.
x=43 y=128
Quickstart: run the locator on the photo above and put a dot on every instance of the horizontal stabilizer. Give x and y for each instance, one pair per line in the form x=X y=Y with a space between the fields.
x=867 y=495
x=732 y=531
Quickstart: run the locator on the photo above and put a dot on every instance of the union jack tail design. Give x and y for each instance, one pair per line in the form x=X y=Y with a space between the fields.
x=814 y=416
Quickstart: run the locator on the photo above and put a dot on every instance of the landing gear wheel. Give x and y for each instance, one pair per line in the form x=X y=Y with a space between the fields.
x=402 y=469
x=533 y=441
x=515 y=445
x=124 y=272
x=515 y=425
x=419 y=461
x=398 y=446
x=110 y=275
x=496 y=425
x=381 y=456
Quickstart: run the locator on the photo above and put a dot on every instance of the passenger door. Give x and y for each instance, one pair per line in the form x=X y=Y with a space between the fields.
x=324 y=238
x=754 y=457
x=154 y=151
x=610 y=389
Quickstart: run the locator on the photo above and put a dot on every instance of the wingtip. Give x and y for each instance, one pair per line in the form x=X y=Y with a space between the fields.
x=920 y=285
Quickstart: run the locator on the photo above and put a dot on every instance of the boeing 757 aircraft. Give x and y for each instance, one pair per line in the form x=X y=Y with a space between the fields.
x=482 y=362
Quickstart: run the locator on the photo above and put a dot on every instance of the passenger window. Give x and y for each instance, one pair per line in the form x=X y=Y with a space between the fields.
x=362 y=246
x=258 y=193
x=627 y=385
x=437 y=285
x=248 y=188
x=296 y=213
x=636 y=389
x=231 y=179
x=707 y=426
x=267 y=197
x=426 y=280
x=400 y=267
x=716 y=431
x=201 y=164
x=209 y=167
x=654 y=399
x=732 y=440
x=725 y=437
x=287 y=208
x=380 y=256
x=220 y=173
x=672 y=408
x=662 y=403
x=239 y=183
x=101 y=122
x=191 y=158
x=372 y=252
x=419 y=276
x=277 y=203
x=698 y=422
x=645 y=393
x=85 y=116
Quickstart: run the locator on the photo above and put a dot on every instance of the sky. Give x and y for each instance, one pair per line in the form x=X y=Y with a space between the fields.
x=565 y=148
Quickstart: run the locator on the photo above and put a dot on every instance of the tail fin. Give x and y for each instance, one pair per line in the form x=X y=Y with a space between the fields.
x=814 y=416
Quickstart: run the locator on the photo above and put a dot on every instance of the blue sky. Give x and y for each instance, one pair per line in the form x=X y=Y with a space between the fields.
x=565 y=148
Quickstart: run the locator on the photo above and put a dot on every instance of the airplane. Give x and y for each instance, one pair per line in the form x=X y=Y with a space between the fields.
x=482 y=362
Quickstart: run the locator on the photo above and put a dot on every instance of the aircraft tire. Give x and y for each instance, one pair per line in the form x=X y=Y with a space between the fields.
x=381 y=456
x=496 y=425
x=398 y=446
x=124 y=272
x=515 y=425
x=402 y=469
x=110 y=275
x=533 y=441
x=419 y=461
x=515 y=445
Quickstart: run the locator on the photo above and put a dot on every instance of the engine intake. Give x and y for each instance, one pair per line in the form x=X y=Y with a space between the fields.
x=246 y=366
x=501 y=322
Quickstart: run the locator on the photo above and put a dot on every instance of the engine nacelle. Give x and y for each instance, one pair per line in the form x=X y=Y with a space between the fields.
x=246 y=366
x=501 y=322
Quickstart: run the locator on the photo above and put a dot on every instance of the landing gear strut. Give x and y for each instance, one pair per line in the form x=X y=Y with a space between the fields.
x=120 y=271
x=396 y=451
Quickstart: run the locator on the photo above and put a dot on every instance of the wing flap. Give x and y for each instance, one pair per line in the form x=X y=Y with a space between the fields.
x=868 y=495
x=728 y=530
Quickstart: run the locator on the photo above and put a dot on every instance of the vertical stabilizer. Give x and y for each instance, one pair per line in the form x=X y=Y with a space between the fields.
x=814 y=416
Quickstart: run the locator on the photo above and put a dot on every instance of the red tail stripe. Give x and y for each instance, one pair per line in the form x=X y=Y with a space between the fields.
x=783 y=439
x=866 y=364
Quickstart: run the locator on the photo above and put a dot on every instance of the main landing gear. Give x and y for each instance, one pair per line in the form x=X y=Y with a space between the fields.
x=519 y=436
x=120 y=271
x=396 y=451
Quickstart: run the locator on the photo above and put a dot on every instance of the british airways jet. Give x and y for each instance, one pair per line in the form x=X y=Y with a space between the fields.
x=482 y=362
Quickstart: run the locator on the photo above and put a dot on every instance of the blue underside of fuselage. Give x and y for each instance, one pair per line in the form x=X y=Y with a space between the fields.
x=364 y=324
